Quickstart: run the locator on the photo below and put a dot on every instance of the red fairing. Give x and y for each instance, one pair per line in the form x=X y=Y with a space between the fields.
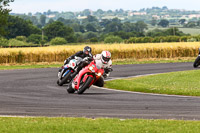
x=86 y=72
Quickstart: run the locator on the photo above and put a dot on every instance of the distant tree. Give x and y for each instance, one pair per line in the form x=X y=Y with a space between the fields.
x=164 y=23
x=127 y=35
x=141 y=26
x=190 y=24
x=113 y=27
x=129 y=27
x=99 y=12
x=58 y=29
x=113 y=39
x=153 y=22
x=182 y=21
x=90 y=27
x=92 y=18
x=105 y=22
x=58 y=41
x=36 y=38
x=20 y=27
x=89 y=35
x=168 y=32
x=34 y=20
x=198 y=23
x=61 y=19
x=109 y=11
x=174 y=31
x=116 y=20
x=164 y=8
x=155 y=32
x=4 y=13
x=50 y=21
x=43 y=20
x=86 y=12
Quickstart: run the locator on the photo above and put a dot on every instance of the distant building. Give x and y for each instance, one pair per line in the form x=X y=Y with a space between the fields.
x=194 y=16
x=137 y=13
x=155 y=16
x=51 y=16
x=81 y=17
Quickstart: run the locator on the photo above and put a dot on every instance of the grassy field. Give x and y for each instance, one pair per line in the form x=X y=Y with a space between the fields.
x=175 y=83
x=192 y=31
x=84 y=125
x=115 y=62
x=118 y=51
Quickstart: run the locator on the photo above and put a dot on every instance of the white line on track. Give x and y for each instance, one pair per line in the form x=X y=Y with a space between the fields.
x=142 y=93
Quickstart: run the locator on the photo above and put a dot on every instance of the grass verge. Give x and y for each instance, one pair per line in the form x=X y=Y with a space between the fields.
x=175 y=83
x=115 y=62
x=84 y=125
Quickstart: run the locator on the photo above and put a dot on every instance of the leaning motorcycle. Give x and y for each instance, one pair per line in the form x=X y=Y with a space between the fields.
x=197 y=61
x=66 y=71
x=86 y=77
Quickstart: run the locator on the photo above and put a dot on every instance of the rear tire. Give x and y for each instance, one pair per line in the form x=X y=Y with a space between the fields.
x=85 y=85
x=197 y=62
x=64 y=80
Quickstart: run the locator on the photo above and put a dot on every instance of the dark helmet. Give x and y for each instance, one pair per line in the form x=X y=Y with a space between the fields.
x=87 y=48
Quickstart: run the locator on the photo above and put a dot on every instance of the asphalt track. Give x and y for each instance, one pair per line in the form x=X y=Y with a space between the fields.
x=34 y=92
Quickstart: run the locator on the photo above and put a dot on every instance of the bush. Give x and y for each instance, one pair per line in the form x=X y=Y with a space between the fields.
x=3 y=42
x=58 y=41
x=94 y=39
x=113 y=39
x=15 y=42
x=21 y=38
x=131 y=40
x=192 y=40
x=36 y=39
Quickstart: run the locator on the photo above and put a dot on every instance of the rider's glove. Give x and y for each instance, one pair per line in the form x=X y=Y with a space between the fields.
x=107 y=70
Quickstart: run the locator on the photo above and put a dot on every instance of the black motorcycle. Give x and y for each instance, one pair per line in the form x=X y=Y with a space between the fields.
x=197 y=61
x=65 y=72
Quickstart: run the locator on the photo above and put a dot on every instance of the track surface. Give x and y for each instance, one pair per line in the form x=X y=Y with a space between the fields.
x=34 y=92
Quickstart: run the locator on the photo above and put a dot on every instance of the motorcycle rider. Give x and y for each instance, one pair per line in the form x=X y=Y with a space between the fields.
x=104 y=61
x=87 y=52
x=82 y=54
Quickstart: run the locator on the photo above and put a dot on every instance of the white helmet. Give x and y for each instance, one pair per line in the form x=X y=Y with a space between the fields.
x=105 y=57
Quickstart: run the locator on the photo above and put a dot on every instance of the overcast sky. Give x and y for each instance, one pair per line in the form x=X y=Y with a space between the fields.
x=25 y=6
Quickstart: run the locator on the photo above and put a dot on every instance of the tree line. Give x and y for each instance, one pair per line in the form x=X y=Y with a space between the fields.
x=14 y=29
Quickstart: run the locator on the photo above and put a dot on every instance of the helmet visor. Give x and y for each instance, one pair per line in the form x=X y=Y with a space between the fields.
x=106 y=59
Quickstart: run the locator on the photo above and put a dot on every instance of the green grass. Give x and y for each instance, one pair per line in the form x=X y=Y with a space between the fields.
x=175 y=83
x=115 y=62
x=29 y=66
x=84 y=125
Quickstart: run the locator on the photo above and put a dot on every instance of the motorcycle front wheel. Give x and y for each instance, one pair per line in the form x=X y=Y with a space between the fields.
x=62 y=81
x=70 y=89
x=84 y=85
x=197 y=62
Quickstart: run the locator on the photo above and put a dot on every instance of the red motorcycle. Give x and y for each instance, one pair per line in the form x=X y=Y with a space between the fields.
x=86 y=77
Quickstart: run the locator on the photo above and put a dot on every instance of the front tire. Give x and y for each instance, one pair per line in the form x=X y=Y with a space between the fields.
x=70 y=89
x=85 y=85
x=197 y=62
x=64 y=80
